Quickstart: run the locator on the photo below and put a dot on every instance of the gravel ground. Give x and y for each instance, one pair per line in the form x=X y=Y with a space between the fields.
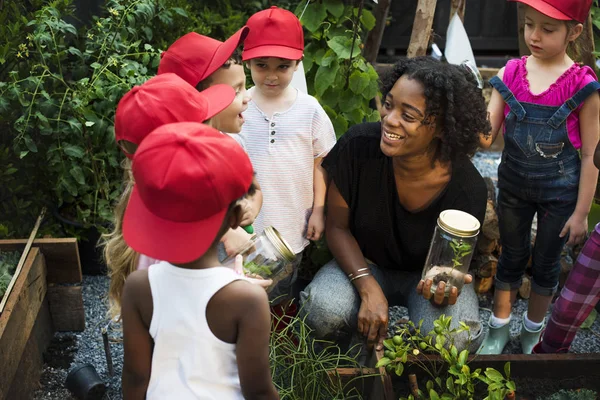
x=70 y=349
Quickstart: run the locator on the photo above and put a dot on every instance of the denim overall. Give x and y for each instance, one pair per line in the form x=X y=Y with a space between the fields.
x=539 y=173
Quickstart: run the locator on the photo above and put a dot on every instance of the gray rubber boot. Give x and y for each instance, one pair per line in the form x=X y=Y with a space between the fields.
x=529 y=338
x=495 y=340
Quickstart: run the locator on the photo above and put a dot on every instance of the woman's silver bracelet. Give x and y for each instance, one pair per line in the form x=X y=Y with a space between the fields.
x=351 y=274
x=360 y=276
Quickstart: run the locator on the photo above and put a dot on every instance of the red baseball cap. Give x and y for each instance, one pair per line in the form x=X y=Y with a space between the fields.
x=274 y=32
x=186 y=176
x=195 y=57
x=165 y=99
x=565 y=10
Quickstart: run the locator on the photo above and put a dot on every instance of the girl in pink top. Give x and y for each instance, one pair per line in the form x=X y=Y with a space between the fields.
x=549 y=107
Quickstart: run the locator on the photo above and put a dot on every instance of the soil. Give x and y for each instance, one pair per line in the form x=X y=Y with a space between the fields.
x=60 y=352
x=445 y=274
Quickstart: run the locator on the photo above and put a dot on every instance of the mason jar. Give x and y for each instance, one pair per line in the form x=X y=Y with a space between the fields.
x=265 y=255
x=451 y=249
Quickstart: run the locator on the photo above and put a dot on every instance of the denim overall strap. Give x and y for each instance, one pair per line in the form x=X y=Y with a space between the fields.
x=509 y=97
x=560 y=116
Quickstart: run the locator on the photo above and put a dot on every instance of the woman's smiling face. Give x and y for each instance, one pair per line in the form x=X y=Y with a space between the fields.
x=404 y=128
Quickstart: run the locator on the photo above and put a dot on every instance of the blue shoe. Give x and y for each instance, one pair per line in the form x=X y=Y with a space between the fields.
x=495 y=340
x=529 y=338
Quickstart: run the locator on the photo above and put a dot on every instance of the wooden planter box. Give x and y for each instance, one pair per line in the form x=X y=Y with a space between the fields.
x=38 y=305
x=565 y=371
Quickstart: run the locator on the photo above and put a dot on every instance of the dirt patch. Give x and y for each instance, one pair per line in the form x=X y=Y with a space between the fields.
x=61 y=351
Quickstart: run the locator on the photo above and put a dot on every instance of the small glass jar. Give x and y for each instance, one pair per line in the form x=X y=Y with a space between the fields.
x=451 y=249
x=265 y=255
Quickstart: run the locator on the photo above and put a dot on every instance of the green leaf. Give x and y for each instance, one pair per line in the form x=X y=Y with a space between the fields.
x=348 y=101
x=368 y=20
x=75 y=52
x=23 y=154
x=77 y=173
x=433 y=395
x=73 y=151
x=335 y=7
x=314 y=15
x=399 y=369
x=328 y=58
x=511 y=385
x=342 y=45
x=373 y=116
x=383 y=362
x=340 y=125
x=389 y=344
x=450 y=384
x=89 y=123
x=324 y=78
x=179 y=11
x=462 y=358
x=494 y=375
x=507 y=370
x=358 y=82
x=30 y=144
x=589 y=321
x=371 y=90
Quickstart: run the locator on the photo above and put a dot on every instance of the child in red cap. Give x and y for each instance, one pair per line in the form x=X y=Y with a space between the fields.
x=287 y=133
x=202 y=62
x=549 y=106
x=192 y=329
x=161 y=100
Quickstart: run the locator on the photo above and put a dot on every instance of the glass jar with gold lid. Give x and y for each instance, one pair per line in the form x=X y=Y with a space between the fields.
x=451 y=249
x=265 y=255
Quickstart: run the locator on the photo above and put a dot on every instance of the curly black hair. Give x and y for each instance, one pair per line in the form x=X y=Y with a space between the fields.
x=452 y=98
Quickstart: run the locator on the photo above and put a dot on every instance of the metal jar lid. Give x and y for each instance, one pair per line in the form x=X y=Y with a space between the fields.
x=459 y=223
x=280 y=244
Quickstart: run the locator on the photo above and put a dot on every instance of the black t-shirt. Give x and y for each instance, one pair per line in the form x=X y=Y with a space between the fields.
x=386 y=232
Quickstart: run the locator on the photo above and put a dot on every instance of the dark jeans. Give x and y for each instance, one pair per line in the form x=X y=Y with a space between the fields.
x=516 y=216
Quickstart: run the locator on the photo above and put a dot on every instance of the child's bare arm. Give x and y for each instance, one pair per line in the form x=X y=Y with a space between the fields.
x=137 y=342
x=576 y=225
x=252 y=345
x=495 y=116
x=316 y=222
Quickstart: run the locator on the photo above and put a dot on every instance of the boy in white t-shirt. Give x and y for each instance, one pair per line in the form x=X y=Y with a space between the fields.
x=286 y=134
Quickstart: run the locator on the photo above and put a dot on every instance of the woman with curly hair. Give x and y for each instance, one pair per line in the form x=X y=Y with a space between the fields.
x=390 y=181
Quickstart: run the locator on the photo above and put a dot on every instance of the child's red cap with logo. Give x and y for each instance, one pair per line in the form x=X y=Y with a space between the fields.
x=186 y=176
x=274 y=32
x=565 y=10
x=195 y=57
x=165 y=99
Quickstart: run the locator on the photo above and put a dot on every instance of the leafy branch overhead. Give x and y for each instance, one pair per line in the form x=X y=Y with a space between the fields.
x=336 y=72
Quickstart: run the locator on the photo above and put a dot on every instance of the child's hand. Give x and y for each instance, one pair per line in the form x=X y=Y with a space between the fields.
x=316 y=224
x=238 y=267
x=234 y=240
x=248 y=217
x=576 y=226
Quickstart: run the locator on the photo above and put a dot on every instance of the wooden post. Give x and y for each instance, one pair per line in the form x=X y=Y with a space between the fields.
x=374 y=37
x=421 y=32
x=586 y=44
x=523 y=49
x=458 y=6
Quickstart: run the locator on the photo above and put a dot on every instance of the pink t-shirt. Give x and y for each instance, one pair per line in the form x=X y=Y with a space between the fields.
x=573 y=79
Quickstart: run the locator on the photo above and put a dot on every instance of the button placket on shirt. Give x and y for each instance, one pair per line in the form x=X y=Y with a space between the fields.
x=272 y=132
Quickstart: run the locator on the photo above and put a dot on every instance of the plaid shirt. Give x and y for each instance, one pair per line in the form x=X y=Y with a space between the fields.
x=577 y=299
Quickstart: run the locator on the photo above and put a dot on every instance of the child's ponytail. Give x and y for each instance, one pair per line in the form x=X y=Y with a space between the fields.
x=119 y=257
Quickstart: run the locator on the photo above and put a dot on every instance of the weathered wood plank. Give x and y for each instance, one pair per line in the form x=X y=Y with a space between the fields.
x=374 y=37
x=66 y=308
x=61 y=254
x=421 y=33
x=27 y=377
x=19 y=316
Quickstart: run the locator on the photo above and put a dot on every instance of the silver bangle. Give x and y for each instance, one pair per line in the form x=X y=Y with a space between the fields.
x=351 y=274
x=360 y=276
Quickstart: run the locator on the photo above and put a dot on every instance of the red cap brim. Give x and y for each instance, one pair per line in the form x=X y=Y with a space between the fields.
x=272 y=51
x=545 y=9
x=175 y=242
x=225 y=51
x=218 y=97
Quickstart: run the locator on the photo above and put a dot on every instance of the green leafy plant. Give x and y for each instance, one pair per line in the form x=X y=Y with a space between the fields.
x=8 y=264
x=305 y=368
x=62 y=99
x=459 y=249
x=336 y=72
x=252 y=268
x=449 y=376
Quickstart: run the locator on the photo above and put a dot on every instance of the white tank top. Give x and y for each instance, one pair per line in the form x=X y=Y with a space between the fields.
x=189 y=361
